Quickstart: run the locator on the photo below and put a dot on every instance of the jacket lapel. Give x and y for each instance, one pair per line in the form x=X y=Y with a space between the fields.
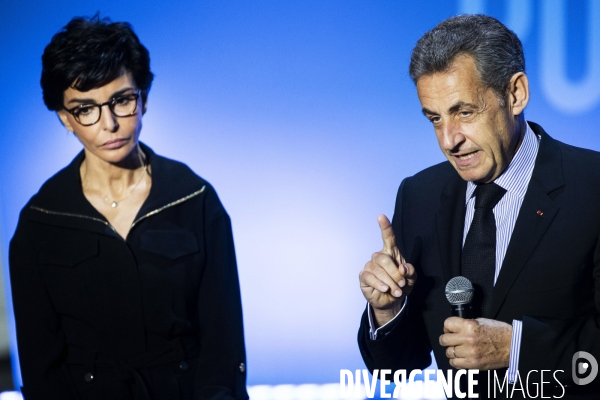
x=450 y=219
x=61 y=202
x=530 y=225
x=180 y=184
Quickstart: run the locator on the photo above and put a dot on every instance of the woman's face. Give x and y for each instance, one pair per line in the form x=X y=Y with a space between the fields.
x=112 y=138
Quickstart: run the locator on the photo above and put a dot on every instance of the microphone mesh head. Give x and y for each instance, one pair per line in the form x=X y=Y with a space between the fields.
x=459 y=290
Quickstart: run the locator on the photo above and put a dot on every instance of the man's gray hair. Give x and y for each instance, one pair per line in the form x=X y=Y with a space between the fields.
x=497 y=51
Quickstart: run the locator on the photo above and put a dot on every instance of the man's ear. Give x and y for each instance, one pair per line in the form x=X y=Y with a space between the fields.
x=144 y=95
x=518 y=93
x=63 y=116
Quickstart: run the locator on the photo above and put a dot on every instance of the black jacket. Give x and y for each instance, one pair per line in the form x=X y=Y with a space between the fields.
x=550 y=276
x=155 y=316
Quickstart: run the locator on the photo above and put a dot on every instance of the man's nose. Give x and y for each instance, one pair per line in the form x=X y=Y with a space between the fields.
x=450 y=135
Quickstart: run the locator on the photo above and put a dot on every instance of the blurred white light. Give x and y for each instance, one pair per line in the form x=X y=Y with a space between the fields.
x=331 y=391
x=284 y=392
x=11 y=396
x=307 y=392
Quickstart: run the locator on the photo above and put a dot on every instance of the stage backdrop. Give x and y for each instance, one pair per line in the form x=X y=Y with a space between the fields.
x=303 y=117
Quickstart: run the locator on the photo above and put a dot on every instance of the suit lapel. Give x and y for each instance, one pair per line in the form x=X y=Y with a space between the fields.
x=530 y=225
x=450 y=219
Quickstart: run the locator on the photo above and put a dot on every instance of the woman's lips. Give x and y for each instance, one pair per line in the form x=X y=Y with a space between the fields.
x=115 y=144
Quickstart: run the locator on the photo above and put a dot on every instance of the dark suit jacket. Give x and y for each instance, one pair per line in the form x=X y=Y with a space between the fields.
x=155 y=316
x=550 y=277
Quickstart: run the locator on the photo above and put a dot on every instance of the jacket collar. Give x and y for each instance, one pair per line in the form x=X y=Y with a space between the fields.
x=63 y=193
x=171 y=181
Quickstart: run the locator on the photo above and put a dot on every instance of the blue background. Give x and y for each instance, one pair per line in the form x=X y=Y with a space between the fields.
x=302 y=115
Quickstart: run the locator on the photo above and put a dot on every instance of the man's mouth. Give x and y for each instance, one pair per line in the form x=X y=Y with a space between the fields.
x=467 y=156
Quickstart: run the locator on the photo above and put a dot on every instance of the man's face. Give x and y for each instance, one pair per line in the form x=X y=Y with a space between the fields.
x=477 y=135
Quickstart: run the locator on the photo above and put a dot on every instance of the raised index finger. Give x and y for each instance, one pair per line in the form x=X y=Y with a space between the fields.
x=387 y=234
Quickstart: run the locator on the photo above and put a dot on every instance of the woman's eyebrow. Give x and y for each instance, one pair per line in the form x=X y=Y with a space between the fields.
x=120 y=92
x=87 y=100
x=82 y=101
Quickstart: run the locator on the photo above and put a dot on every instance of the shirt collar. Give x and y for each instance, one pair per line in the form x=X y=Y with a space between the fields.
x=515 y=178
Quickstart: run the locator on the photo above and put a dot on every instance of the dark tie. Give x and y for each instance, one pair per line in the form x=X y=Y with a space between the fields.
x=478 y=260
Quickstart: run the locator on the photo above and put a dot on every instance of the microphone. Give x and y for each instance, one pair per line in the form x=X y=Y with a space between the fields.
x=459 y=292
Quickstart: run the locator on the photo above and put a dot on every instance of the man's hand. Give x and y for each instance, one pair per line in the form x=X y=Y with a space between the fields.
x=477 y=343
x=387 y=279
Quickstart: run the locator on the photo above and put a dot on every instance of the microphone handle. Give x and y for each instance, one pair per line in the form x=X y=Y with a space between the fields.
x=462 y=310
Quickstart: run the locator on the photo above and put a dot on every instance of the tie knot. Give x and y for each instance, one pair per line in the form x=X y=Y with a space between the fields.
x=487 y=195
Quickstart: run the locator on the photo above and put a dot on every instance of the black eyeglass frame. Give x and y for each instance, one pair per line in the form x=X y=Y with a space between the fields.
x=110 y=104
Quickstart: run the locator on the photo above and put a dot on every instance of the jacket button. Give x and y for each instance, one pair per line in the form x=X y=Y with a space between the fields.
x=183 y=366
x=88 y=377
x=242 y=367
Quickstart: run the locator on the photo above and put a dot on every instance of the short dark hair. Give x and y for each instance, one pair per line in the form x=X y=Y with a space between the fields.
x=497 y=51
x=88 y=53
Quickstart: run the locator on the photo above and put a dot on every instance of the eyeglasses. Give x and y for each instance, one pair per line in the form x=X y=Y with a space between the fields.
x=90 y=113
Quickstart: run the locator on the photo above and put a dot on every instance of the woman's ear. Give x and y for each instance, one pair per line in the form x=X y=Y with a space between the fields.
x=63 y=116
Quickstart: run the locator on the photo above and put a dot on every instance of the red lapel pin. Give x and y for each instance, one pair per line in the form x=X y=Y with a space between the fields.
x=540 y=212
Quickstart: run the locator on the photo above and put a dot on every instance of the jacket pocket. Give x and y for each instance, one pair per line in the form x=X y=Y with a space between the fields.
x=169 y=243
x=68 y=251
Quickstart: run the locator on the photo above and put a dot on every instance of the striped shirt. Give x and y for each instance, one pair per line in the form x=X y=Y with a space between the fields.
x=515 y=179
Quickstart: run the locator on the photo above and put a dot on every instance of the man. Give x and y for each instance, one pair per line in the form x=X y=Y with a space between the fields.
x=513 y=210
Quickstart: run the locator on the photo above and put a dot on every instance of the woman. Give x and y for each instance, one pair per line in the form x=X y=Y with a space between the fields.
x=122 y=266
